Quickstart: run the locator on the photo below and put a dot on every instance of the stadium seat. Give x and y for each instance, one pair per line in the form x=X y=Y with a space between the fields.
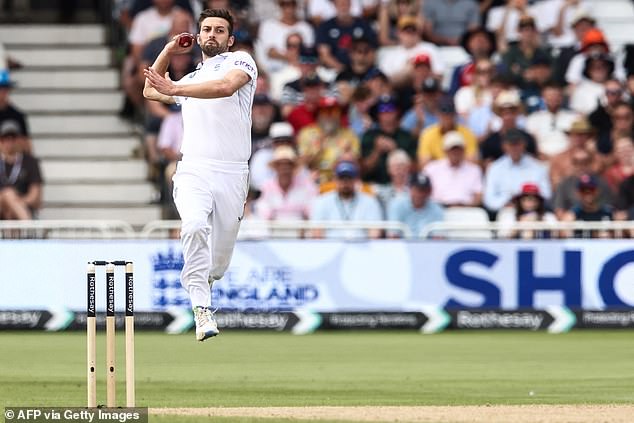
x=472 y=215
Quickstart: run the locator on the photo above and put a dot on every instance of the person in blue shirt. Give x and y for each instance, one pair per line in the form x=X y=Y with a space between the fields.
x=415 y=209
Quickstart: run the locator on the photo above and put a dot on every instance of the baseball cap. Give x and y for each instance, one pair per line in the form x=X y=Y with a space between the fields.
x=386 y=104
x=514 y=136
x=431 y=85
x=10 y=127
x=594 y=36
x=346 y=169
x=281 y=153
x=530 y=188
x=406 y=21
x=374 y=73
x=446 y=105
x=421 y=59
x=420 y=180
x=281 y=130
x=580 y=15
x=328 y=102
x=508 y=98
x=580 y=126
x=452 y=139
x=308 y=55
x=587 y=181
x=5 y=79
x=312 y=80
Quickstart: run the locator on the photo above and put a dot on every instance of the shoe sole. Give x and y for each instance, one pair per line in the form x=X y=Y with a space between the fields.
x=207 y=335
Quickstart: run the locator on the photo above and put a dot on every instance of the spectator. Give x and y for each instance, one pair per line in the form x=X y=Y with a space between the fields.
x=305 y=113
x=623 y=165
x=289 y=194
x=504 y=20
x=549 y=126
x=170 y=138
x=420 y=72
x=389 y=13
x=430 y=143
x=417 y=209
x=479 y=43
x=323 y=10
x=482 y=120
x=593 y=44
x=622 y=123
x=359 y=116
x=580 y=137
x=272 y=51
x=590 y=207
x=377 y=143
x=527 y=206
x=399 y=169
x=478 y=94
x=507 y=106
x=566 y=194
x=538 y=74
x=456 y=181
x=290 y=70
x=9 y=113
x=395 y=61
x=321 y=144
x=556 y=18
x=446 y=21
x=519 y=56
x=334 y=36
x=293 y=91
x=424 y=112
x=587 y=93
x=346 y=203
x=505 y=176
x=280 y=134
x=600 y=118
x=378 y=84
x=263 y=114
x=151 y=23
x=362 y=58
x=20 y=177
x=625 y=200
x=155 y=112
x=581 y=23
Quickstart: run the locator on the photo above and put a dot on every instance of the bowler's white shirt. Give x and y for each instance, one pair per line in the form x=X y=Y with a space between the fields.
x=219 y=128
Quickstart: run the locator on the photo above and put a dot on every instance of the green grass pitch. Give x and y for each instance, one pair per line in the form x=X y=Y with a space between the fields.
x=337 y=368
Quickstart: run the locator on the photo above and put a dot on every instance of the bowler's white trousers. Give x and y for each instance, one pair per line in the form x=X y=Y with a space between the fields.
x=210 y=197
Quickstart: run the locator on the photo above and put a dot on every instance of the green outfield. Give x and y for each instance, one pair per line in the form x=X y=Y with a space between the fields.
x=256 y=369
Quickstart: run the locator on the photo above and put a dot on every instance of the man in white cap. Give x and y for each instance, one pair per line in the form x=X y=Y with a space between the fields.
x=456 y=181
x=280 y=133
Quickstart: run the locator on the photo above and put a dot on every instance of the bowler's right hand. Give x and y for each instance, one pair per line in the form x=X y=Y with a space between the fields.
x=174 y=48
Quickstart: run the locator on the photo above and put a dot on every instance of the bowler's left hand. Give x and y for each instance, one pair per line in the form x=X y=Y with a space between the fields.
x=164 y=85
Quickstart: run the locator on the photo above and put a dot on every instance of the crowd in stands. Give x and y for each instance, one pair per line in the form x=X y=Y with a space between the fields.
x=357 y=117
x=20 y=176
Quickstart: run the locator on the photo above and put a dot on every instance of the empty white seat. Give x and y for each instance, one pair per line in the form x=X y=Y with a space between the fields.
x=467 y=216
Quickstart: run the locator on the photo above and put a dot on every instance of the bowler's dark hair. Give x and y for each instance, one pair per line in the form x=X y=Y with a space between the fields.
x=217 y=13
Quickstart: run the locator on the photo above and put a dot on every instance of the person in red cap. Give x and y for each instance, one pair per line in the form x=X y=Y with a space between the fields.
x=527 y=206
x=592 y=43
x=321 y=144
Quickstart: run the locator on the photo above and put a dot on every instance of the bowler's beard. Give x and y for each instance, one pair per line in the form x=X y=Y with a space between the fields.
x=212 y=50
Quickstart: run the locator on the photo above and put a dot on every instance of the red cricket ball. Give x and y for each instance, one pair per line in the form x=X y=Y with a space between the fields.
x=185 y=40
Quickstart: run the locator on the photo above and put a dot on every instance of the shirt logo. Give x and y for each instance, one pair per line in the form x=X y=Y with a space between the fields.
x=243 y=64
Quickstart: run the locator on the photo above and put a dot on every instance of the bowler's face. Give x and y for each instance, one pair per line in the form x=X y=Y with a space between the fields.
x=214 y=36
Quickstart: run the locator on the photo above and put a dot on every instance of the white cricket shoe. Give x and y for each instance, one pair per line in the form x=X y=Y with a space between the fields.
x=206 y=326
